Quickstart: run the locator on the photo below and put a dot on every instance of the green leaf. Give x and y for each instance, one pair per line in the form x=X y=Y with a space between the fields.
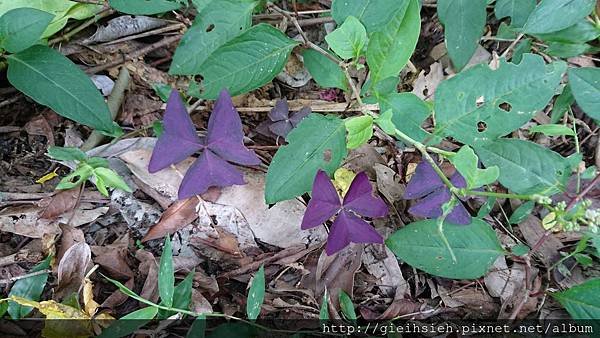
x=521 y=49
x=384 y=121
x=111 y=179
x=475 y=246
x=324 y=311
x=567 y=50
x=29 y=288
x=466 y=162
x=581 y=301
x=526 y=167
x=349 y=39
x=21 y=28
x=487 y=207
x=360 y=130
x=408 y=114
x=582 y=31
x=80 y=175
x=217 y=23
x=182 y=295
x=61 y=10
x=481 y=104
x=52 y=80
x=519 y=250
x=390 y=49
x=130 y=323
x=66 y=153
x=163 y=90
x=552 y=130
x=463 y=21
x=145 y=7
x=562 y=103
x=374 y=15
x=198 y=329
x=166 y=275
x=256 y=294
x=521 y=213
x=318 y=142
x=585 y=83
x=246 y=62
x=583 y=259
x=326 y=73
x=346 y=306
x=554 y=15
x=517 y=10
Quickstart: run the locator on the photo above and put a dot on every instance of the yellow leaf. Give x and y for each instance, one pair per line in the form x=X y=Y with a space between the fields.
x=47 y=177
x=549 y=221
x=89 y=304
x=342 y=178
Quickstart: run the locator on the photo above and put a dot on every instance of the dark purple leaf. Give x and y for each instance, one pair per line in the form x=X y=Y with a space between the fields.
x=299 y=115
x=281 y=122
x=427 y=185
x=360 y=199
x=179 y=139
x=224 y=142
x=348 y=226
x=323 y=205
x=280 y=112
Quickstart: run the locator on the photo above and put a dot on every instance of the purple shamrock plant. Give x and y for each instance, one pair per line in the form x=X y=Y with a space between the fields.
x=427 y=185
x=348 y=225
x=223 y=144
x=281 y=121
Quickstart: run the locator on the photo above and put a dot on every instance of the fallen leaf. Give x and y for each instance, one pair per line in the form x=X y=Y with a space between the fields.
x=70 y=236
x=72 y=268
x=532 y=231
x=336 y=272
x=425 y=84
x=117 y=298
x=149 y=268
x=386 y=270
x=123 y=26
x=40 y=126
x=388 y=183
x=177 y=216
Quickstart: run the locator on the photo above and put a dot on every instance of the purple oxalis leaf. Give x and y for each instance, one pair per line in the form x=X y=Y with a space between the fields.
x=281 y=121
x=223 y=144
x=427 y=185
x=348 y=226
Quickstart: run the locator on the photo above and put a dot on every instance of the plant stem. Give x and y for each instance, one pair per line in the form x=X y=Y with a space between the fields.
x=498 y=194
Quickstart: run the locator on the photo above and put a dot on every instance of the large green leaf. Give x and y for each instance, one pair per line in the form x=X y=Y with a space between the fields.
x=585 y=84
x=554 y=15
x=517 y=10
x=463 y=21
x=481 y=104
x=52 y=80
x=408 y=114
x=145 y=7
x=581 y=301
x=420 y=244
x=218 y=22
x=582 y=31
x=324 y=71
x=63 y=10
x=526 y=167
x=374 y=15
x=130 y=323
x=21 y=28
x=246 y=62
x=30 y=288
x=256 y=294
x=318 y=142
x=349 y=39
x=390 y=49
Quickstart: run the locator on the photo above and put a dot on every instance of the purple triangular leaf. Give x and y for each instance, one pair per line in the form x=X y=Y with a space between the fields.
x=459 y=215
x=281 y=128
x=225 y=136
x=349 y=228
x=458 y=181
x=324 y=203
x=179 y=139
x=360 y=199
x=299 y=115
x=424 y=181
x=280 y=112
x=431 y=205
x=209 y=170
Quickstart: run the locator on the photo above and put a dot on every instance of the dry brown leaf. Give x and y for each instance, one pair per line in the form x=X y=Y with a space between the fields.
x=336 y=272
x=113 y=257
x=532 y=230
x=70 y=236
x=89 y=304
x=72 y=268
x=117 y=298
x=426 y=84
x=149 y=268
x=386 y=270
x=176 y=217
x=62 y=201
x=40 y=126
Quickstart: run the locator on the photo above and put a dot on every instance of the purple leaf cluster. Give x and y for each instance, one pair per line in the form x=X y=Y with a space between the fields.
x=428 y=186
x=348 y=225
x=223 y=144
x=281 y=121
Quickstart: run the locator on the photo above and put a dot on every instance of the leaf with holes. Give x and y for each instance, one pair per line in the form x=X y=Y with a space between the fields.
x=481 y=104
x=217 y=23
x=420 y=244
x=554 y=15
x=319 y=142
x=389 y=50
x=52 y=80
x=463 y=22
x=246 y=62
x=585 y=83
x=146 y=7
x=526 y=167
